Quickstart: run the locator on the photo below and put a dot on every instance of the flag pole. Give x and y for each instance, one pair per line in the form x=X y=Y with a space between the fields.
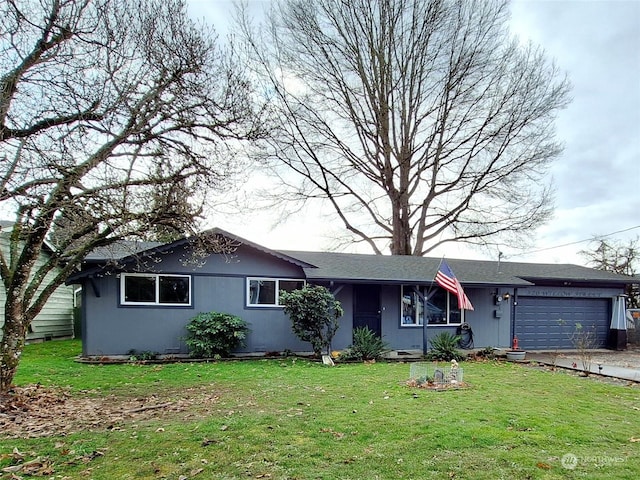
x=424 y=332
x=425 y=320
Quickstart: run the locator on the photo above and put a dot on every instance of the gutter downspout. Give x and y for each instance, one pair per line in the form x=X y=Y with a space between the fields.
x=514 y=304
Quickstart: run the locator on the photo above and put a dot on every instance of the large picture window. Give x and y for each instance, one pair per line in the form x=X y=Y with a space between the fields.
x=155 y=289
x=265 y=292
x=436 y=304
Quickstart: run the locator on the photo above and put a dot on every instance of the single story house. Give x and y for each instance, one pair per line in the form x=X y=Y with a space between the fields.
x=140 y=298
x=56 y=318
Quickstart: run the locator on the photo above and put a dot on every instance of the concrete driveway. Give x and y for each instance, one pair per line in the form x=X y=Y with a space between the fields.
x=619 y=364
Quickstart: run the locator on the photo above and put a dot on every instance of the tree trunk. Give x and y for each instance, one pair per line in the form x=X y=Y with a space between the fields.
x=401 y=241
x=401 y=210
x=13 y=340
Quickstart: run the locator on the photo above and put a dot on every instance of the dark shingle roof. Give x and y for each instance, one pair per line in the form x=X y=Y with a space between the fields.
x=120 y=250
x=326 y=266
x=123 y=252
x=562 y=272
x=394 y=269
x=408 y=269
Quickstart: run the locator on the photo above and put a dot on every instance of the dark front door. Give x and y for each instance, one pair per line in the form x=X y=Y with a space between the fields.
x=366 y=307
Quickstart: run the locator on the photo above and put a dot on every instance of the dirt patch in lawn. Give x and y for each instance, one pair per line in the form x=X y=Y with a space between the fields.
x=37 y=411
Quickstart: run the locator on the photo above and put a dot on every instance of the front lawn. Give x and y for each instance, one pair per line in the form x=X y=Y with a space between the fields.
x=294 y=419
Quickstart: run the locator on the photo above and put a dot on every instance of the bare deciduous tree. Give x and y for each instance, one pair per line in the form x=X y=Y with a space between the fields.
x=422 y=122
x=109 y=111
x=619 y=257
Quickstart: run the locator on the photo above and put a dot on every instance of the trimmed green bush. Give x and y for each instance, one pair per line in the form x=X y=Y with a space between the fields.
x=314 y=314
x=366 y=346
x=445 y=347
x=215 y=334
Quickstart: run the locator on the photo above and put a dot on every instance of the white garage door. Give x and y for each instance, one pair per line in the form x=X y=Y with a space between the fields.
x=543 y=323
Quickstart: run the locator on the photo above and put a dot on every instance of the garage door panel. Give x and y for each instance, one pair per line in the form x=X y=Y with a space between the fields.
x=548 y=323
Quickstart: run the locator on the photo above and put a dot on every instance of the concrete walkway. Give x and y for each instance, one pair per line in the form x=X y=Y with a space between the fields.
x=573 y=362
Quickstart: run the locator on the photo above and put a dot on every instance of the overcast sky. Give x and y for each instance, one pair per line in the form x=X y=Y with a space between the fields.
x=597 y=178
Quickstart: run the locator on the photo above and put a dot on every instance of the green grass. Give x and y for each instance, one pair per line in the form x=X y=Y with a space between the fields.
x=293 y=419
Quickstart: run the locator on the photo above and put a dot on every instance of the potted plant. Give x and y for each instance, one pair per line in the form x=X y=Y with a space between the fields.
x=515 y=353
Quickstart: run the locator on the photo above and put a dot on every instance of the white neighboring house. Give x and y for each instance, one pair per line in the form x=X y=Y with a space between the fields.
x=56 y=318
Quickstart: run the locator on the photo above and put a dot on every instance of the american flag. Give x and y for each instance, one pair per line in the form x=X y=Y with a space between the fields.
x=447 y=280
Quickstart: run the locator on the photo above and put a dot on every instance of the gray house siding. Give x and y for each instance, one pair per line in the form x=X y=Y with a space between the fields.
x=344 y=335
x=220 y=283
x=488 y=328
x=110 y=328
x=245 y=261
x=401 y=338
x=490 y=323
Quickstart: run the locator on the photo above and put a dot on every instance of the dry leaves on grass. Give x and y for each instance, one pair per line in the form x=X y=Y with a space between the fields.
x=37 y=411
x=39 y=466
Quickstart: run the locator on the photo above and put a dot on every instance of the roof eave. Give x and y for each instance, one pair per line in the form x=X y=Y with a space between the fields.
x=585 y=281
x=414 y=281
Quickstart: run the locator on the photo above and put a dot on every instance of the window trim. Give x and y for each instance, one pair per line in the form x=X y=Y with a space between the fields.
x=277 y=290
x=156 y=277
x=425 y=317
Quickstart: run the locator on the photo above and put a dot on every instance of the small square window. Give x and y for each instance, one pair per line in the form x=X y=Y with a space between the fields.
x=174 y=290
x=266 y=291
x=262 y=292
x=290 y=285
x=139 y=289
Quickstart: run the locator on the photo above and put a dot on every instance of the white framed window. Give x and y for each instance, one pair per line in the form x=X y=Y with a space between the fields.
x=436 y=304
x=155 y=289
x=265 y=292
